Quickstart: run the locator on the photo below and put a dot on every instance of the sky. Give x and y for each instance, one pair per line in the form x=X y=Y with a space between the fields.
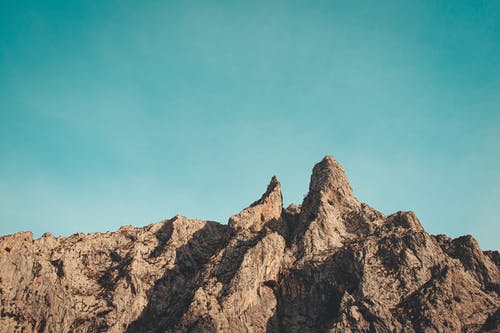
x=129 y=112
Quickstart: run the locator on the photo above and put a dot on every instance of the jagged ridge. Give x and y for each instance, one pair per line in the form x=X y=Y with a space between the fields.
x=332 y=264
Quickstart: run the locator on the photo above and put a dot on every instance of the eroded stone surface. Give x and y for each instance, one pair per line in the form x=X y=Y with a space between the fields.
x=332 y=264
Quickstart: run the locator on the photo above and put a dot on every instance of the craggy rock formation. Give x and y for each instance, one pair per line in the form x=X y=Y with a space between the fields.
x=331 y=265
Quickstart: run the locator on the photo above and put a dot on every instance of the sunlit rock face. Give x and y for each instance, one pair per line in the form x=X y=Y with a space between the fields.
x=332 y=264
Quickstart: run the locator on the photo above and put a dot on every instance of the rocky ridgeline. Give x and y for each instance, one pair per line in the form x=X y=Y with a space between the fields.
x=332 y=264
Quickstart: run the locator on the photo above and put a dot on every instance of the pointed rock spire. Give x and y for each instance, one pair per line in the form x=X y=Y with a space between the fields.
x=329 y=185
x=267 y=208
x=324 y=220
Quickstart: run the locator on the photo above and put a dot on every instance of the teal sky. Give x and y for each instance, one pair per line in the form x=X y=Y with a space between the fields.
x=128 y=112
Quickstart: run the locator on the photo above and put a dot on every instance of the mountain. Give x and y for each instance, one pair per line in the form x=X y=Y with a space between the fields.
x=333 y=264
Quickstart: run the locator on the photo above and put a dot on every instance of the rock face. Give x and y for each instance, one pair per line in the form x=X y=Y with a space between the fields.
x=331 y=265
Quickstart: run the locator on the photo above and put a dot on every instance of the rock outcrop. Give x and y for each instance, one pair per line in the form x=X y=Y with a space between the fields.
x=332 y=264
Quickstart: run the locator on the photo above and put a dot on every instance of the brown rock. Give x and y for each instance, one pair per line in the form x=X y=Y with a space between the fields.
x=332 y=264
x=266 y=210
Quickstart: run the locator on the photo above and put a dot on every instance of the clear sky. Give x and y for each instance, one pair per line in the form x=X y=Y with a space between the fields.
x=128 y=112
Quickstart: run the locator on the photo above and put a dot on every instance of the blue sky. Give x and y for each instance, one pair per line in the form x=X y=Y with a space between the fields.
x=126 y=112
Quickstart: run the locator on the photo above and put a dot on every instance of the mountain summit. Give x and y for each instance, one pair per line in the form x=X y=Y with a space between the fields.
x=332 y=264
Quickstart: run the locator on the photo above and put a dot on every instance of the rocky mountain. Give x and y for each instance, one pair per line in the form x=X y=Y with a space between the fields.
x=333 y=264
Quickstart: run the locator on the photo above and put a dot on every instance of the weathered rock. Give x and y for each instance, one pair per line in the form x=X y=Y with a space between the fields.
x=330 y=213
x=264 y=211
x=332 y=264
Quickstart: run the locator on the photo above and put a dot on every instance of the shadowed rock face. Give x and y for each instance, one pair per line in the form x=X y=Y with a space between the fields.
x=332 y=264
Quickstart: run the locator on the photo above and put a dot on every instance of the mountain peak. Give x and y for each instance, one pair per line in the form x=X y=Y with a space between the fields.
x=267 y=208
x=329 y=184
x=274 y=187
x=332 y=265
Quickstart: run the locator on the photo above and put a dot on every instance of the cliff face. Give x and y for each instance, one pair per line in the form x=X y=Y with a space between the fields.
x=331 y=265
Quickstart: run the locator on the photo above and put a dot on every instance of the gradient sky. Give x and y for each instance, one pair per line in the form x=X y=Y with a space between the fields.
x=128 y=112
